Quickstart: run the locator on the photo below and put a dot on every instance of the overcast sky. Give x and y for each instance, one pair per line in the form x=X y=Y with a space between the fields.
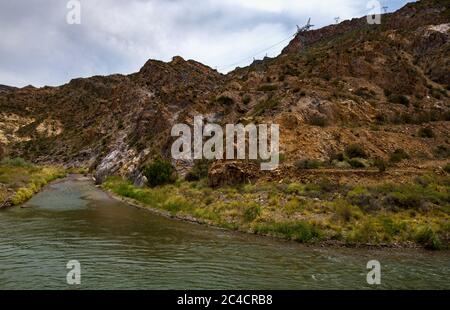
x=39 y=47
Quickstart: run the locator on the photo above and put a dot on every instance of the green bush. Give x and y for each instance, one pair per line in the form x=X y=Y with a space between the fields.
x=159 y=172
x=318 y=120
x=447 y=168
x=399 y=99
x=356 y=163
x=442 y=151
x=246 y=99
x=398 y=156
x=380 y=118
x=355 y=151
x=263 y=106
x=305 y=164
x=295 y=188
x=366 y=93
x=336 y=156
x=425 y=132
x=199 y=170
x=2 y=151
x=380 y=163
x=344 y=211
x=225 y=100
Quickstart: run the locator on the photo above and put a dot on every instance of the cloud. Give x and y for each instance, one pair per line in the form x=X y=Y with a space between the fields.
x=38 y=46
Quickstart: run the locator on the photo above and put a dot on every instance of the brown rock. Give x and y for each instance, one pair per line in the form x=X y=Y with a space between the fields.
x=231 y=173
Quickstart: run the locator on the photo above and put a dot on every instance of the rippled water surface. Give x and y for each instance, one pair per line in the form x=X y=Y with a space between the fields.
x=126 y=248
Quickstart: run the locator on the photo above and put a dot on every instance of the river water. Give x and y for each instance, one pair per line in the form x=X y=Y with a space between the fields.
x=120 y=247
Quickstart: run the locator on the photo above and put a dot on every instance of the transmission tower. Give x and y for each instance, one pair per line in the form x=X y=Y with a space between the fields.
x=304 y=28
x=337 y=19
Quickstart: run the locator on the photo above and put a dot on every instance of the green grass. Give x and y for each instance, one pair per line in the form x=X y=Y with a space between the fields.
x=24 y=179
x=251 y=212
x=312 y=212
x=16 y=162
x=299 y=231
x=428 y=238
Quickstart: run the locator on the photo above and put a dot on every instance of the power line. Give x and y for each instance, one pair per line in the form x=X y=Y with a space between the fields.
x=254 y=54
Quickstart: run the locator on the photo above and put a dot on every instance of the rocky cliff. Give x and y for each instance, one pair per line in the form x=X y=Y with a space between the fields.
x=375 y=85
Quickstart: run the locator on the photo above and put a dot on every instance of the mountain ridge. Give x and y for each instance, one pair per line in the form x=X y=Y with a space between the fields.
x=346 y=80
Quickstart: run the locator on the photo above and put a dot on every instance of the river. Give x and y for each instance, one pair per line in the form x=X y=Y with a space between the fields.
x=121 y=247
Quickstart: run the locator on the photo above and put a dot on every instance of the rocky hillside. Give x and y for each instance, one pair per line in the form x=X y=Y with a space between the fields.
x=385 y=87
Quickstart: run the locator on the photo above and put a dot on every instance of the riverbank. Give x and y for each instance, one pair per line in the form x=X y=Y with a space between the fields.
x=20 y=180
x=392 y=215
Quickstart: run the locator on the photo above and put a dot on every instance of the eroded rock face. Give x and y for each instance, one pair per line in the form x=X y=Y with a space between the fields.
x=328 y=89
x=231 y=173
x=138 y=179
x=109 y=165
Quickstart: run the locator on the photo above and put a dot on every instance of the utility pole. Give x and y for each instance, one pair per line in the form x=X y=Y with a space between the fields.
x=385 y=8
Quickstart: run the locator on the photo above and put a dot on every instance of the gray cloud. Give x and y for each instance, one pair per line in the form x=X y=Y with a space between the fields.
x=38 y=47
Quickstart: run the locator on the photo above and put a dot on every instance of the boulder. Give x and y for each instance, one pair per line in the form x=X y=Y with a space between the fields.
x=231 y=173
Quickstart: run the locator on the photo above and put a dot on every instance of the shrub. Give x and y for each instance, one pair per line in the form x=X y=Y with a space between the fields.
x=199 y=170
x=344 y=211
x=380 y=163
x=295 y=188
x=380 y=118
x=361 y=197
x=447 y=168
x=251 y=212
x=318 y=120
x=262 y=107
x=293 y=205
x=246 y=99
x=357 y=163
x=398 y=156
x=307 y=164
x=268 y=87
x=225 y=100
x=341 y=164
x=399 y=99
x=22 y=195
x=159 y=172
x=425 y=132
x=336 y=156
x=442 y=151
x=355 y=151
x=365 y=93
x=2 y=151
x=428 y=238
